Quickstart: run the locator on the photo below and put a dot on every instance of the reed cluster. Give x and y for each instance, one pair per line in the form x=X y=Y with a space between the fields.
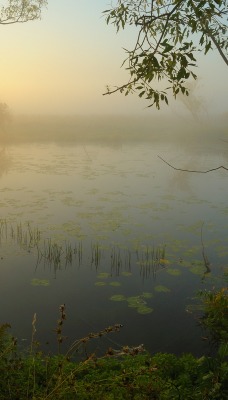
x=56 y=254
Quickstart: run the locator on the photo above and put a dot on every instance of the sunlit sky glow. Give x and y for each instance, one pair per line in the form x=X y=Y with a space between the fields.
x=63 y=63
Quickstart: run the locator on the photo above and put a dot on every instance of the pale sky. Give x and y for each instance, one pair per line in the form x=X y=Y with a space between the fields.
x=63 y=63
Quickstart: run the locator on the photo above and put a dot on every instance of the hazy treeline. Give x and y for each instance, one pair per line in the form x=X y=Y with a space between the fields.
x=111 y=129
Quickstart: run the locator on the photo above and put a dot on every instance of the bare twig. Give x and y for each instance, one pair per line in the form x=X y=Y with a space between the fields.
x=192 y=170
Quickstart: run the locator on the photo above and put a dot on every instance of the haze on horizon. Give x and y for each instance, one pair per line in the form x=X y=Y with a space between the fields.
x=62 y=64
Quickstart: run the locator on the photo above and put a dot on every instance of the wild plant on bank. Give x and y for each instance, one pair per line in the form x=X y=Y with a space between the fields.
x=126 y=373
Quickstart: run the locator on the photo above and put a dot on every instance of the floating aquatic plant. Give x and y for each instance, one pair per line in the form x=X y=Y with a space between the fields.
x=197 y=269
x=144 y=310
x=147 y=295
x=139 y=303
x=135 y=301
x=40 y=282
x=161 y=288
x=118 y=297
x=173 y=271
x=103 y=275
x=115 y=283
x=100 y=283
x=126 y=273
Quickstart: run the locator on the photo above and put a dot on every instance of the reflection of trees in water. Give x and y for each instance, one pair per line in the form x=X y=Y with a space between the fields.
x=181 y=181
x=5 y=161
x=5 y=116
x=201 y=161
x=224 y=151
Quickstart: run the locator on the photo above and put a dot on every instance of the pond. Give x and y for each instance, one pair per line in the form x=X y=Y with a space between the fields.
x=111 y=231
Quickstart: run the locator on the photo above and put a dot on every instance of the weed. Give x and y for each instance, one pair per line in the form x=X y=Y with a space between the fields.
x=215 y=317
x=127 y=373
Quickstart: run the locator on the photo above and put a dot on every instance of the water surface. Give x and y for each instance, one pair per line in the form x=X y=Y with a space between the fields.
x=135 y=229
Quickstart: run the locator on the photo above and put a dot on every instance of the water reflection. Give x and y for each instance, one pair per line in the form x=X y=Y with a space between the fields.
x=5 y=161
x=110 y=230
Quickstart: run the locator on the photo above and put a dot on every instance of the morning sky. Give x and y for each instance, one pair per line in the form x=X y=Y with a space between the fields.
x=63 y=63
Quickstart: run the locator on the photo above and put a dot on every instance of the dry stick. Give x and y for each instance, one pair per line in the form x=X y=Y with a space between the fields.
x=189 y=170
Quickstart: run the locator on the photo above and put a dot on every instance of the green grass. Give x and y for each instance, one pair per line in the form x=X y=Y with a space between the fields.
x=128 y=373
x=162 y=376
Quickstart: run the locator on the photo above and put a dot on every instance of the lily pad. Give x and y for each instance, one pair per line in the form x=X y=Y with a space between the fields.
x=126 y=273
x=144 y=310
x=134 y=301
x=100 y=283
x=103 y=275
x=161 y=288
x=197 y=269
x=40 y=282
x=147 y=295
x=118 y=297
x=115 y=284
x=173 y=271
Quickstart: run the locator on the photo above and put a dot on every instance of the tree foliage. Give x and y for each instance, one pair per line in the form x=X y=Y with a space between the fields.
x=170 y=34
x=15 y=11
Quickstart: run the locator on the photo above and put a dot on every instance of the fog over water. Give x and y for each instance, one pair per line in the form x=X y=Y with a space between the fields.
x=128 y=227
x=145 y=127
x=91 y=215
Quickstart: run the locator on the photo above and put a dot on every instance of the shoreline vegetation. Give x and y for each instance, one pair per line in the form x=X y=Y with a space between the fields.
x=127 y=373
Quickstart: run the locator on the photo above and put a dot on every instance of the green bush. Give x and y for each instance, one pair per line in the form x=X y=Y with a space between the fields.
x=215 y=318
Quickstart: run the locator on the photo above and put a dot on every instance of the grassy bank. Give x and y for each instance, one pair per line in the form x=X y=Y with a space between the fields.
x=128 y=373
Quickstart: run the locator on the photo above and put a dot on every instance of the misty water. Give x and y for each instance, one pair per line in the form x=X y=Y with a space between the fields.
x=132 y=233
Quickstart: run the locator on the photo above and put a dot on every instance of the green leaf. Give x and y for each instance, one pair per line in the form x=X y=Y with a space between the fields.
x=161 y=288
x=118 y=297
x=202 y=40
x=142 y=93
x=116 y=284
x=223 y=350
x=168 y=48
x=174 y=272
x=207 y=47
x=100 y=283
x=40 y=282
x=190 y=55
x=144 y=310
x=181 y=73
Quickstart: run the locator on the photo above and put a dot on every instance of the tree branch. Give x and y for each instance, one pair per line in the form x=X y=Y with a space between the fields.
x=196 y=171
x=225 y=59
x=119 y=88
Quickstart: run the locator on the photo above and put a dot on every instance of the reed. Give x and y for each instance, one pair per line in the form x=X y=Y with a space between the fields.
x=78 y=250
x=3 y=229
x=57 y=255
x=34 y=235
x=116 y=259
x=68 y=253
x=96 y=255
x=127 y=259
x=63 y=254
x=52 y=253
x=23 y=234
x=150 y=259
